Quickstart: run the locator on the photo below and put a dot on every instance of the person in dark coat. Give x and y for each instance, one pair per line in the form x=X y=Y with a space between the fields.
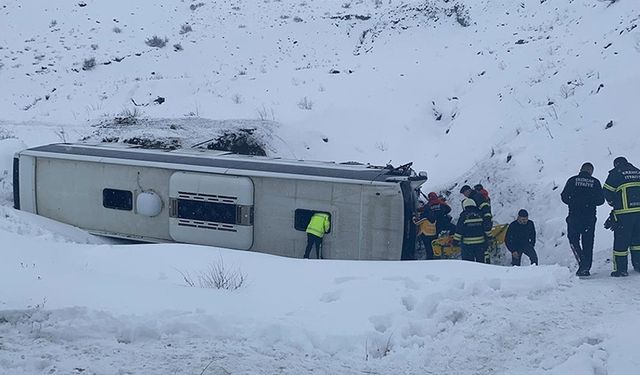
x=482 y=204
x=439 y=213
x=622 y=191
x=480 y=189
x=521 y=239
x=470 y=234
x=582 y=193
x=484 y=207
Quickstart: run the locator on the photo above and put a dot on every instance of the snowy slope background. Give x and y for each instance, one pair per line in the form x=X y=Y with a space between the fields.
x=515 y=95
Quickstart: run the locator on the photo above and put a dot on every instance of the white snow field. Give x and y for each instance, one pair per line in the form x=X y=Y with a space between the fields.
x=515 y=95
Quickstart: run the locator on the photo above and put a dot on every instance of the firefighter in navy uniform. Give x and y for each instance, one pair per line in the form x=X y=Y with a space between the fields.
x=440 y=213
x=582 y=193
x=484 y=207
x=470 y=233
x=622 y=192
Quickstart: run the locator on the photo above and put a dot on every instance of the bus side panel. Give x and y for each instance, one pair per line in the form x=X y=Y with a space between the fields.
x=72 y=191
x=275 y=208
x=383 y=222
x=27 y=184
x=366 y=220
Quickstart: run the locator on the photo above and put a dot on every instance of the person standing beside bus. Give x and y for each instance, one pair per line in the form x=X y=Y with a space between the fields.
x=318 y=226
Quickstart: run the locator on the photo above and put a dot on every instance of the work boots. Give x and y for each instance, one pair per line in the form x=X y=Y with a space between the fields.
x=619 y=274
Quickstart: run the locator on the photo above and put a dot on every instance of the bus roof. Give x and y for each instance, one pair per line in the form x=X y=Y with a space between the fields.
x=223 y=159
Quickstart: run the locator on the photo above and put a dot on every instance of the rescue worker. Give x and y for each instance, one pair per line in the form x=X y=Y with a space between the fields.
x=480 y=189
x=318 y=226
x=622 y=192
x=582 y=193
x=439 y=211
x=470 y=234
x=521 y=239
x=485 y=211
x=426 y=229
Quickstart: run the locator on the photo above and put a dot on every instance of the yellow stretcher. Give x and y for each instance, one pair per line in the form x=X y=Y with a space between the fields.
x=443 y=247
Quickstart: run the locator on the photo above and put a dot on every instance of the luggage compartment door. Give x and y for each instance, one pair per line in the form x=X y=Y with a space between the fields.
x=210 y=209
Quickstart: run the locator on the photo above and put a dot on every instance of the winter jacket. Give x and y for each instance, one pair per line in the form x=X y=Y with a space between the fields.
x=582 y=193
x=485 y=209
x=470 y=228
x=622 y=189
x=520 y=236
x=438 y=209
x=319 y=224
x=485 y=194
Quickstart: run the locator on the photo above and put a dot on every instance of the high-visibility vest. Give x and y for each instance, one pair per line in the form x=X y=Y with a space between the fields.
x=319 y=224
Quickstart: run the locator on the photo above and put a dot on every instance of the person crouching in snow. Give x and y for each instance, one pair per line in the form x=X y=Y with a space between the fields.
x=521 y=239
x=470 y=234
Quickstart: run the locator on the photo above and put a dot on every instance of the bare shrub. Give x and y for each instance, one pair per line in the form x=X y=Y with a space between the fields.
x=186 y=28
x=462 y=14
x=297 y=19
x=196 y=6
x=265 y=114
x=305 y=103
x=567 y=90
x=156 y=41
x=62 y=135
x=378 y=348
x=89 y=64
x=216 y=276
x=6 y=134
x=117 y=30
x=236 y=98
x=128 y=116
x=177 y=47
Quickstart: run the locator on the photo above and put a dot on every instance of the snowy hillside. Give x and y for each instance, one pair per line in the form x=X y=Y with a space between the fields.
x=516 y=95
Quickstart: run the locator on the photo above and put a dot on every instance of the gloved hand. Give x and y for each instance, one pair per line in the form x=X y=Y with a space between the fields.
x=611 y=223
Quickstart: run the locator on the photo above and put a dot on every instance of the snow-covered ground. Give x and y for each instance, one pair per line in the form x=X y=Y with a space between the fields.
x=517 y=99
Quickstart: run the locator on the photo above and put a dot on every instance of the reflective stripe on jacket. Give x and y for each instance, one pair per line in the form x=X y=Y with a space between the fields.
x=470 y=228
x=622 y=189
x=319 y=224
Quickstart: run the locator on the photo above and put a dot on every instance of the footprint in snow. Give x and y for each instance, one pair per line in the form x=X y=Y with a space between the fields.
x=342 y=280
x=409 y=302
x=331 y=296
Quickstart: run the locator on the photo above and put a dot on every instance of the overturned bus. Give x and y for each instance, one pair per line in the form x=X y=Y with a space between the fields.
x=221 y=199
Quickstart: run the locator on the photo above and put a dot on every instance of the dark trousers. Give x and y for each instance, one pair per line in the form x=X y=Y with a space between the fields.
x=580 y=233
x=312 y=239
x=426 y=241
x=528 y=251
x=626 y=235
x=474 y=253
